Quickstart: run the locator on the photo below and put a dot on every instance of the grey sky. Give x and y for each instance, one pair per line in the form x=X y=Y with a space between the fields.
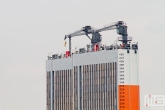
x=30 y=29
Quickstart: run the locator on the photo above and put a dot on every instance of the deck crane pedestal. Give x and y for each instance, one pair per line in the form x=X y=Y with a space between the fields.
x=120 y=26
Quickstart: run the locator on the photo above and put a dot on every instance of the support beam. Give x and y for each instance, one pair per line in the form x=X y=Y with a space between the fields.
x=70 y=45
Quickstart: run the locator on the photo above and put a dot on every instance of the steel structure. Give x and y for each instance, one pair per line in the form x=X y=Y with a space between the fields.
x=120 y=26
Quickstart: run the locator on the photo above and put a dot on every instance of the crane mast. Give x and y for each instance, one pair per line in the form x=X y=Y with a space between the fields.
x=120 y=26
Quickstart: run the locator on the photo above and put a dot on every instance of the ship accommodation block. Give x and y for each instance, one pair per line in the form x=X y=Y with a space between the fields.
x=101 y=80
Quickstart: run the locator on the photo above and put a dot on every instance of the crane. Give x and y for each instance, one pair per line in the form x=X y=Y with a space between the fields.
x=83 y=31
x=120 y=26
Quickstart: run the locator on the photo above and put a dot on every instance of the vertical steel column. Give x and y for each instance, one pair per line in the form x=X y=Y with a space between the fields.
x=80 y=88
x=86 y=87
x=66 y=89
x=69 y=89
x=47 y=90
x=93 y=87
x=97 y=86
x=70 y=45
x=73 y=92
x=101 y=81
x=115 y=85
x=87 y=67
x=90 y=87
x=111 y=86
x=56 y=90
x=74 y=88
x=51 y=90
x=55 y=85
x=61 y=89
x=104 y=86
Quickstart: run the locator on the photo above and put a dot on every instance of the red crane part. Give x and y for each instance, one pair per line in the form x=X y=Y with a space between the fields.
x=67 y=54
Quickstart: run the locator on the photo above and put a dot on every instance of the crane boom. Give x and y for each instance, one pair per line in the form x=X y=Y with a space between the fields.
x=111 y=26
x=83 y=31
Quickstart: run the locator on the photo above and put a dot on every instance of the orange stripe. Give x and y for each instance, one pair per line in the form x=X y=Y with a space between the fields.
x=128 y=97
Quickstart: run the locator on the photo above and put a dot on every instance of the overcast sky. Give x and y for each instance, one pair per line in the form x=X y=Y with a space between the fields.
x=30 y=29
